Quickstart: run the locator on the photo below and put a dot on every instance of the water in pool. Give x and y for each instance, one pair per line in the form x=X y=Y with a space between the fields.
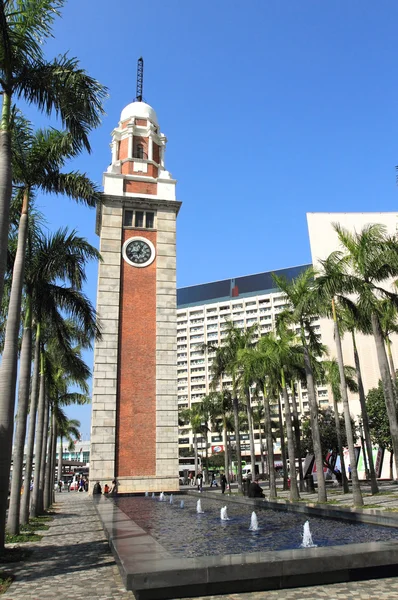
x=188 y=533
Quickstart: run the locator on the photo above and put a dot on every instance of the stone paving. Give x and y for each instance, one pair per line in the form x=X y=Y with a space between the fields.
x=73 y=561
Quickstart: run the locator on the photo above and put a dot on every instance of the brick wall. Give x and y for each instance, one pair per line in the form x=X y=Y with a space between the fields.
x=140 y=187
x=136 y=413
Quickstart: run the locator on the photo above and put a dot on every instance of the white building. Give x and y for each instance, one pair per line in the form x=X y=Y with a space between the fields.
x=202 y=312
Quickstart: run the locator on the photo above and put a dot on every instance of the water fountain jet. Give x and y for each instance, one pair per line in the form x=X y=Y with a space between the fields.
x=253 y=522
x=199 y=507
x=171 y=499
x=223 y=514
x=307 y=537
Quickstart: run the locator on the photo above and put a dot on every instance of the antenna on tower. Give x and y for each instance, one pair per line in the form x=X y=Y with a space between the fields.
x=140 y=79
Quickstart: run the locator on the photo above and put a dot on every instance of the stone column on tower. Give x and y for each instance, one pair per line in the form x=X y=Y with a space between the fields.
x=134 y=430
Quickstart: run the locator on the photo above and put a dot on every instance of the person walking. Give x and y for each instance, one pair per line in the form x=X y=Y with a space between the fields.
x=223 y=483
x=60 y=485
x=199 y=482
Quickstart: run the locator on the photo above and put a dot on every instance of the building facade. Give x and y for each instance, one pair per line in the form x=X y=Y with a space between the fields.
x=201 y=317
x=134 y=409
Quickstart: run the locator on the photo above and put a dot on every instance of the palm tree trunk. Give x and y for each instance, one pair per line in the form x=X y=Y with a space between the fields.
x=5 y=193
x=297 y=436
x=225 y=442
x=270 y=445
x=365 y=419
x=9 y=363
x=260 y=439
x=20 y=431
x=251 y=433
x=283 y=446
x=294 y=493
x=340 y=444
x=49 y=464
x=316 y=436
x=356 y=488
x=391 y=363
x=195 y=449
x=39 y=441
x=54 y=460
x=44 y=457
x=60 y=459
x=387 y=385
x=237 y=441
x=34 y=397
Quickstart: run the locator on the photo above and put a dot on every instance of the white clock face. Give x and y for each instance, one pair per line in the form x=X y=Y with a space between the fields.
x=138 y=252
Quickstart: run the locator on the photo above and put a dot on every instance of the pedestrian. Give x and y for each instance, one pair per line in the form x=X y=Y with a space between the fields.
x=113 y=490
x=86 y=485
x=199 y=481
x=255 y=491
x=97 y=488
x=223 y=483
x=60 y=485
x=106 y=489
x=349 y=471
x=213 y=481
x=81 y=485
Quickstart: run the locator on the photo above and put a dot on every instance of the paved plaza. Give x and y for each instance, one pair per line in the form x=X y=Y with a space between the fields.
x=73 y=561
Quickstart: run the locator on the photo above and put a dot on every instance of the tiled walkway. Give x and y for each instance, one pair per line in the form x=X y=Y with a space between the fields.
x=73 y=561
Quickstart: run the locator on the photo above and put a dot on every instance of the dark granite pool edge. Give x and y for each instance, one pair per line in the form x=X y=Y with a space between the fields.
x=152 y=573
x=354 y=515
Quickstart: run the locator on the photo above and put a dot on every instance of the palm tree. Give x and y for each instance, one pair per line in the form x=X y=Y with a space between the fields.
x=332 y=377
x=389 y=325
x=67 y=429
x=37 y=160
x=194 y=417
x=350 y=319
x=236 y=340
x=59 y=85
x=369 y=259
x=301 y=297
x=258 y=418
x=297 y=434
x=219 y=407
x=221 y=363
x=254 y=361
x=54 y=259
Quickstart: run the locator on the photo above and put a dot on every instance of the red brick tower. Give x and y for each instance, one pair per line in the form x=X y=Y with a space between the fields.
x=134 y=433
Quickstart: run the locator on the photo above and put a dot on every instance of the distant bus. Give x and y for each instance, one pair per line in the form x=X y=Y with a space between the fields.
x=186 y=465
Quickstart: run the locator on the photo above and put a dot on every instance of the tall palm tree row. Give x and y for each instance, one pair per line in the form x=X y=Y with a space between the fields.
x=55 y=260
x=303 y=309
x=37 y=160
x=362 y=269
x=59 y=86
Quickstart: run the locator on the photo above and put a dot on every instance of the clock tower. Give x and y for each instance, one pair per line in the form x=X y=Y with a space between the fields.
x=134 y=430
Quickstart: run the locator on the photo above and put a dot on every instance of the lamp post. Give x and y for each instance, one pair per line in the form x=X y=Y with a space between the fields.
x=365 y=460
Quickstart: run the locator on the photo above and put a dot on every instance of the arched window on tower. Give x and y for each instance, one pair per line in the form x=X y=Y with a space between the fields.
x=139 y=151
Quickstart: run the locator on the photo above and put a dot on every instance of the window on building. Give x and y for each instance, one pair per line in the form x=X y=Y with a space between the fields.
x=139 y=151
x=139 y=218
x=128 y=218
x=149 y=220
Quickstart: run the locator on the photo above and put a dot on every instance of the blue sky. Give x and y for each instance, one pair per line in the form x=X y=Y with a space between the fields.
x=272 y=109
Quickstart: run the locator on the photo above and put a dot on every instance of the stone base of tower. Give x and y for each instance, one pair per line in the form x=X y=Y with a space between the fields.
x=129 y=485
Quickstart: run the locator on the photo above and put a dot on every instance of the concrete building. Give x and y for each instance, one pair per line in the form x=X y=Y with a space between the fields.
x=134 y=410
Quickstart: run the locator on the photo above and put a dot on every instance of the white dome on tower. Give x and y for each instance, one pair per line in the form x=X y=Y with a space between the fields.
x=141 y=110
